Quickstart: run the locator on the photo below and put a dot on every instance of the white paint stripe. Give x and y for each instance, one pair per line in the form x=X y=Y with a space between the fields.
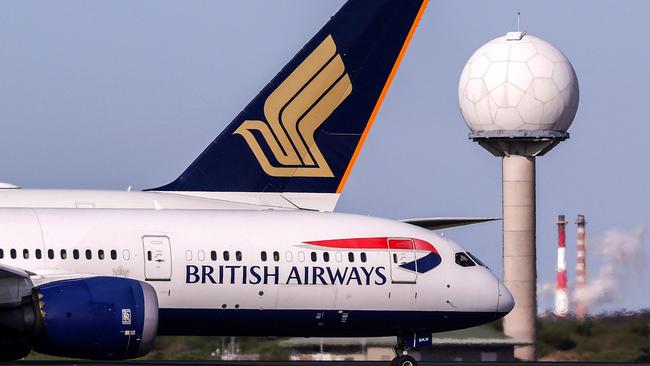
x=561 y=259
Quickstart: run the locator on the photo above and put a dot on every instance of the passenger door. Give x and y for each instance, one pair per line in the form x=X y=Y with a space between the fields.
x=402 y=252
x=157 y=258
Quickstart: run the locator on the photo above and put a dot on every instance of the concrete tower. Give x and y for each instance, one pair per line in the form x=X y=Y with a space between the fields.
x=518 y=95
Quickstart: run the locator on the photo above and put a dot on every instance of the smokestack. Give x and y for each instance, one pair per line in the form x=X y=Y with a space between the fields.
x=561 y=296
x=581 y=268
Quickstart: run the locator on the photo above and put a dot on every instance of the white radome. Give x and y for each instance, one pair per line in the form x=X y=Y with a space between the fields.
x=518 y=83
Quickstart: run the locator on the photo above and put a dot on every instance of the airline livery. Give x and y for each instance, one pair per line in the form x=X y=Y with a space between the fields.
x=244 y=241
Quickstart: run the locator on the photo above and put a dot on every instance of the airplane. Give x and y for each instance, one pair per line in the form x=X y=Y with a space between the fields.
x=244 y=241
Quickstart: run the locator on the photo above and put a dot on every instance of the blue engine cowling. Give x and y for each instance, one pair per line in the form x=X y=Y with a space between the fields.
x=101 y=318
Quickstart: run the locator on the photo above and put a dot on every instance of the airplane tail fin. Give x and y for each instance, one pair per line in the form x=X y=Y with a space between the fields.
x=304 y=130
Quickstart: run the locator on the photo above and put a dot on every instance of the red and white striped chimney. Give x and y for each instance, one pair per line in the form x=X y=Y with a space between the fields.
x=581 y=265
x=561 y=296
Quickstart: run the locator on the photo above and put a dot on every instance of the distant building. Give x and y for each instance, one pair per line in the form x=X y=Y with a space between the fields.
x=482 y=343
x=340 y=349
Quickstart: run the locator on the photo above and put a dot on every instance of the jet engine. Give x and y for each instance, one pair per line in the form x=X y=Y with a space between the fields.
x=100 y=318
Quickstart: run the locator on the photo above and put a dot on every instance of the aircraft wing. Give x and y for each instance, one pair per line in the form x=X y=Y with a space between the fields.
x=437 y=223
x=11 y=272
x=15 y=283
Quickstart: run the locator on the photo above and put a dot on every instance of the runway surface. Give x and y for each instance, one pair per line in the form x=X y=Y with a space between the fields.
x=308 y=363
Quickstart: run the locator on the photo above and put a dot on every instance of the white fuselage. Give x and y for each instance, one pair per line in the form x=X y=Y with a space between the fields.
x=245 y=272
x=190 y=200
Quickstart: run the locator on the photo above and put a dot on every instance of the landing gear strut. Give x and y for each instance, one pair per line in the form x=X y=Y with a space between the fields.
x=401 y=354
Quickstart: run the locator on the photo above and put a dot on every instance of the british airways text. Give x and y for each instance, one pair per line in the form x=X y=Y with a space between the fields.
x=254 y=275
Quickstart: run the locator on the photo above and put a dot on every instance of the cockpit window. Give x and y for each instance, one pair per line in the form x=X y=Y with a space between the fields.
x=464 y=260
x=478 y=261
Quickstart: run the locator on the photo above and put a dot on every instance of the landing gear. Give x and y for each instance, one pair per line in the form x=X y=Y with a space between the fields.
x=401 y=356
x=403 y=361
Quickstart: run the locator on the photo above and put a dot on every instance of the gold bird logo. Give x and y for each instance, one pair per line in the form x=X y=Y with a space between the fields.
x=295 y=109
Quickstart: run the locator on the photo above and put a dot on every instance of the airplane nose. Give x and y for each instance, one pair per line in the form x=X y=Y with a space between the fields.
x=505 y=302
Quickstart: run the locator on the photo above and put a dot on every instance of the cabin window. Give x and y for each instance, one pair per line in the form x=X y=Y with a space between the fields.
x=64 y=254
x=238 y=256
x=201 y=255
x=276 y=256
x=50 y=253
x=2 y=253
x=126 y=254
x=464 y=260
x=263 y=256
x=13 y=253
x=26 y=253
x=38 y=254
x=75 y=254
x=213 y=255
x=364 y=258
x=89 y=254
x=351 y=257
x=149 y=256
x=113 y=254
x=339 y=257
x=394 y=257
x=226 y=256
x=301 y=256
x=313 y=256
x=288 y=256
x=100 y=254
x=188 y=255
x=326 y=257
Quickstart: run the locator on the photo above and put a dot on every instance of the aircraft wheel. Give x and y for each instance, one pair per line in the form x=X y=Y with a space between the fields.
x=404 y=361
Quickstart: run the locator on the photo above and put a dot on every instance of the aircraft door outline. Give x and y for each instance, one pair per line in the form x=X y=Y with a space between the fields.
x=401 y=251
x=157 y=258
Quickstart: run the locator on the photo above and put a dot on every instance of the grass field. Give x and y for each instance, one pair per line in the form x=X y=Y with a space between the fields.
x=609 y=337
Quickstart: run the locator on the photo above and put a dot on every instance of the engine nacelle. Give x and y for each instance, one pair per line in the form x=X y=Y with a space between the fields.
x=101 y=318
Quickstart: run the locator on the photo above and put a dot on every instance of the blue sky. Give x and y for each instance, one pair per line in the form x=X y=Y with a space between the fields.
x=108 y=94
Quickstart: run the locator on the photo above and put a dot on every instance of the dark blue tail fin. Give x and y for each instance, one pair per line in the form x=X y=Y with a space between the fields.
x=303 y=132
